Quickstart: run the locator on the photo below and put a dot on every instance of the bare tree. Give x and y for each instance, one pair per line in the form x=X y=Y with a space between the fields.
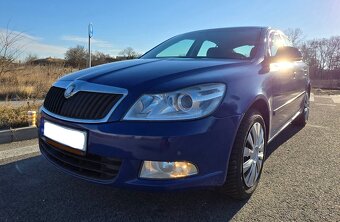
x=99 y=58
x=30 y=58
x=129 y=53
x=10 y=48
x=322 y=56
x=333 y=53
x=76 y=56
x=295 y=35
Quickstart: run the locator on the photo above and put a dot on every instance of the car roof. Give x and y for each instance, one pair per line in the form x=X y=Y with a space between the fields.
x=235 y=28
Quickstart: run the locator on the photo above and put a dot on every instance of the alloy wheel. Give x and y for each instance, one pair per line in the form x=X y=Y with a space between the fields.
x=253 y=154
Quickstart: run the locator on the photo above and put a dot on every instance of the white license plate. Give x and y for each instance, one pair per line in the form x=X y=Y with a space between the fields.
x=64 y=135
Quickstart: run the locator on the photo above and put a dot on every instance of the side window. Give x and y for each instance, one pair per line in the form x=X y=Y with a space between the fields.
x=275 y=43
x=244 y=50
x=206 y=45
x=178 y=49
x=286 y=40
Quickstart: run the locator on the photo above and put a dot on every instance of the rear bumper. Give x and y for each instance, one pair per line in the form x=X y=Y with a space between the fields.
x=205 y=142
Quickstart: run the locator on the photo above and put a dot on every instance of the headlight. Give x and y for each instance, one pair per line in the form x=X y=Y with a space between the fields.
x=167 y=170
x=189 y=103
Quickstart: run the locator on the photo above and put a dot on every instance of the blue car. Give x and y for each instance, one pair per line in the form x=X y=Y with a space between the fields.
x=198 y=110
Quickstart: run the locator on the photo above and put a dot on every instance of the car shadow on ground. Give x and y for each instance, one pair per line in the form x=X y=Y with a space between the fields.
x=33 y=190
x=280 y=139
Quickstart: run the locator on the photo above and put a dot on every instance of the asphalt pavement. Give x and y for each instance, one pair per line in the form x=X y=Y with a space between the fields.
x=300 y=182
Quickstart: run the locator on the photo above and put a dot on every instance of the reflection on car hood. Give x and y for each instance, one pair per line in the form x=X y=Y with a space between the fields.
x=132 y=73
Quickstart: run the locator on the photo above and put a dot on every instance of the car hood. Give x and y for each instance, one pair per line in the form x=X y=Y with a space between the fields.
x=148 y=73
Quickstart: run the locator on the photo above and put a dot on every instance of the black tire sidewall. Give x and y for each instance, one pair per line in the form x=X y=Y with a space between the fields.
x=301 y=120
x=234 y=180
x=308 y=102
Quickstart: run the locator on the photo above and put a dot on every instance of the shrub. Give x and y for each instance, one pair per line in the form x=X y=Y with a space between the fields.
x=13 y=117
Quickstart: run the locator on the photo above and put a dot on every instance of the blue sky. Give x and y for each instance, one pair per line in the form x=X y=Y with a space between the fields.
x=53 y=26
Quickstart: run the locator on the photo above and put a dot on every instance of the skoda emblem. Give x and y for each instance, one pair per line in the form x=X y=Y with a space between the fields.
x=70 y=91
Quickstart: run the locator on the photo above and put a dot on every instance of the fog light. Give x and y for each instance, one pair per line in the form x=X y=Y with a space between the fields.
x=167 y=170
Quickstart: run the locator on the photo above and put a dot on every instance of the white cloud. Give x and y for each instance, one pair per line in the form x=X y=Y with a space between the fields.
x=100 y=45
x=46 y=49
x=29 y=44
x=21 y=34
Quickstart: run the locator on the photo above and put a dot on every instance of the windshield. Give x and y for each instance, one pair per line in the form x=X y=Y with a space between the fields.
x=229 y=43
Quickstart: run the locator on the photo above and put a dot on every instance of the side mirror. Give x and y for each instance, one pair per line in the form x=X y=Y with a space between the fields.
x=287 y=53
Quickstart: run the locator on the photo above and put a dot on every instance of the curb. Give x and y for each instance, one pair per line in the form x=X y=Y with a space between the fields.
x=18 y=134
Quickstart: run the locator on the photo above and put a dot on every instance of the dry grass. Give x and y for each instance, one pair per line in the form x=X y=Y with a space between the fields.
x=13 y=117
x=29 y=82
x=25 y=82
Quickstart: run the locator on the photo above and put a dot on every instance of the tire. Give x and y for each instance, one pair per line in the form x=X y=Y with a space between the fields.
x=302 y=118
x=237 y=183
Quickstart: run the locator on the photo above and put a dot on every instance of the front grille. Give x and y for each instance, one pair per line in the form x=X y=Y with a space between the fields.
x=90 y=166
x=82 y=105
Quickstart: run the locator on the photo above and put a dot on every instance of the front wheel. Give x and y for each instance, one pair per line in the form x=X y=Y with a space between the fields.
x=247 y=157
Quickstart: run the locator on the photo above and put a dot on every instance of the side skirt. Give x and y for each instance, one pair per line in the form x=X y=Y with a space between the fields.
x=285 y=126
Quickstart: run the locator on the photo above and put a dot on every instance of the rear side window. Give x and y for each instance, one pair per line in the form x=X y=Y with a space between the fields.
x=179 y=49
x=245 y=50
x=206 y=45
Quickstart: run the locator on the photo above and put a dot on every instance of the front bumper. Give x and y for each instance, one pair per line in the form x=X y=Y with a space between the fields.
x=205 y=142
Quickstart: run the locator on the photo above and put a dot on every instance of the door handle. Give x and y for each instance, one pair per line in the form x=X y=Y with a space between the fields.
x=305 y=71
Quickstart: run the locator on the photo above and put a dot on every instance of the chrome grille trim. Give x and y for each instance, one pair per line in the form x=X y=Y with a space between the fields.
x=88 y=87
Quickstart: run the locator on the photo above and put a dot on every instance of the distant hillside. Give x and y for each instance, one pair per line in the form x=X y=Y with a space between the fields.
x=48 y=61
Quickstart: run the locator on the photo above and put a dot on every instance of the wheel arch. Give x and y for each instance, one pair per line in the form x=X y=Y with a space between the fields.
x=261 y=104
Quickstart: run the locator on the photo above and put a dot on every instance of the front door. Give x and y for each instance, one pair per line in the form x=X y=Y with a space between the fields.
x=284 y=88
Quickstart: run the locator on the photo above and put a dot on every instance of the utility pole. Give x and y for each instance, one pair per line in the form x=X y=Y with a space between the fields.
x=90 y=32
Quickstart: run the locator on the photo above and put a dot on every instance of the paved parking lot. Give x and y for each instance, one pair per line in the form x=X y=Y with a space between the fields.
x=300 y=182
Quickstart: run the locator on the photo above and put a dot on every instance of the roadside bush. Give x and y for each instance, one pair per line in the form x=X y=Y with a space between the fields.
x=13 y=117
